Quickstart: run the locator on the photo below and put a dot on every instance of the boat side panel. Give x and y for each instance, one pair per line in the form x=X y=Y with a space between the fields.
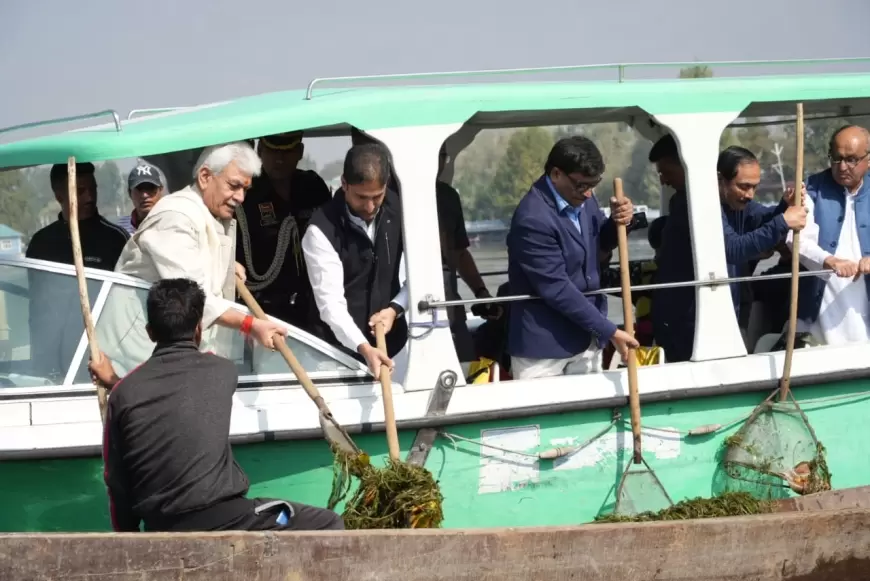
x=780 y=547
x=485 y=489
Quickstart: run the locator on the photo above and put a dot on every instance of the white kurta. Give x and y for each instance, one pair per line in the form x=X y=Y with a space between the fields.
x=178 y=239
x=845 y=310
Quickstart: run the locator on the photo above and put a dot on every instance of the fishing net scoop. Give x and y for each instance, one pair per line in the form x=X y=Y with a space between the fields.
x=639 y=488
x=778 y=446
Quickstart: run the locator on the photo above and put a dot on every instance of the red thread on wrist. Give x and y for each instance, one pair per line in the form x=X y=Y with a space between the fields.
x=247 y=324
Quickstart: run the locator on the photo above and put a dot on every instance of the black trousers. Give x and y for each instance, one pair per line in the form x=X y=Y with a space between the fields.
x=280 y=515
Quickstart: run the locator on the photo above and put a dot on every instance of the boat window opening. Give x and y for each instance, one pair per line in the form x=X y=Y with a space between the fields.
x=764 y=304
x=40 y=325
x=323 y=155
x=492 y=175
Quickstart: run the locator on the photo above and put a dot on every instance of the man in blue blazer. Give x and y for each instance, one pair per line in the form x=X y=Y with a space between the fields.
x=556 y=234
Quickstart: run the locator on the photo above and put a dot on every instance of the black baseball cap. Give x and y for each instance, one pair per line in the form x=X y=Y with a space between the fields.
x=145 y=173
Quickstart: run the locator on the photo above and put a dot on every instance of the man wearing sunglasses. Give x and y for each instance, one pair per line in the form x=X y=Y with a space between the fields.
x=556 y=234
x=837 y=237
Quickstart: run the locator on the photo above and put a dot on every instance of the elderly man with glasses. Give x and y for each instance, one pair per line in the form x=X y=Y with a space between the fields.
x=834 y=310
x=554 y=241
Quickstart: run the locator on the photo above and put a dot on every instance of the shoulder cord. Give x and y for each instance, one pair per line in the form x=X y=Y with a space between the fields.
x=288 y=230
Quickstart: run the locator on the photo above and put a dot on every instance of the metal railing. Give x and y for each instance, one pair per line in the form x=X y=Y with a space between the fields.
x=713 y=282
x=619 y=67
x=153 y=111
x=115 y=117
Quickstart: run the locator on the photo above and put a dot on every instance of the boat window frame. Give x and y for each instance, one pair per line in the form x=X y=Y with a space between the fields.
x=357 y=371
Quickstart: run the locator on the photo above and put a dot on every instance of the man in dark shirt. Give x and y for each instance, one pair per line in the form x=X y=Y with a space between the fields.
x=673 y=309
x=101 y=240
x=271 y=223
x=457 y=259
x=168 y=459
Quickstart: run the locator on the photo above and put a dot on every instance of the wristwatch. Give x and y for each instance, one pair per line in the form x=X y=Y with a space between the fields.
x=397 y=307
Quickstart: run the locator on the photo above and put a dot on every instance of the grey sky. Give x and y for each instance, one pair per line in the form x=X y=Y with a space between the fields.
x=61 y=58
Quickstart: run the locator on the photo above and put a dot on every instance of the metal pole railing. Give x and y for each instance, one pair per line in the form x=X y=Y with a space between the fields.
x=430 y=305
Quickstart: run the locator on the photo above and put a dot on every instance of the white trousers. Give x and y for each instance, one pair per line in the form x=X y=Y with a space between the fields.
x=588 y=361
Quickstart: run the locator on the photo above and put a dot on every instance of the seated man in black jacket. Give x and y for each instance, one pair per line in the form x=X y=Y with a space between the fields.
x=168 y=459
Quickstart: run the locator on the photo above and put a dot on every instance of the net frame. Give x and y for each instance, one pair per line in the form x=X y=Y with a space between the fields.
x=760 y=454
x=626 y=505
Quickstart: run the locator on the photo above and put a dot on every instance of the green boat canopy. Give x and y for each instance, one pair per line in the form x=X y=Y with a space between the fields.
x=331 y=111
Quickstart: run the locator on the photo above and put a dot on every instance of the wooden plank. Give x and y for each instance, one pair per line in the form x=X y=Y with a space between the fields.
x=820 y=545
x=857 y=497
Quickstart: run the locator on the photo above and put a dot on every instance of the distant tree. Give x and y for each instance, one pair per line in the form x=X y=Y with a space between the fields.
x=817 y=136
x=43 y=206
x=15 y=194
x=640 y=179
x=522 y=164
x=112 y=195
x=475 y=169
x=696 y=72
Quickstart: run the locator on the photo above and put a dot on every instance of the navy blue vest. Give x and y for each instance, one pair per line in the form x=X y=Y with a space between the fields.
x=829 y=209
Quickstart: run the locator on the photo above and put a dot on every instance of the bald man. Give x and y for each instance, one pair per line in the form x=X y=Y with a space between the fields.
x=834 y=310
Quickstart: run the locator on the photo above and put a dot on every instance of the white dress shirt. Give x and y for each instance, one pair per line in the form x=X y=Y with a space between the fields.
x=326 y=274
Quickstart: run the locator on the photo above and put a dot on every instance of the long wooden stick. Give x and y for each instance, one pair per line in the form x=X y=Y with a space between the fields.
x=387 y=389
x=338 y=435
x=72 y=185
x=628 y=317
x=785 y=381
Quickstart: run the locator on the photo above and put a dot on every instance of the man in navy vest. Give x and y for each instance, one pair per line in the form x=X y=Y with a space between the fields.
x=837 y=237
x=556 y=234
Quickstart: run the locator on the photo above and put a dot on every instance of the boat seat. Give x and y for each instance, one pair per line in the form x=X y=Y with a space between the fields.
x=766 y=342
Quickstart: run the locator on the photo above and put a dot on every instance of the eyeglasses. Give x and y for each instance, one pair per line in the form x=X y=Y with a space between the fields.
x=850 y=162
x=581 y=186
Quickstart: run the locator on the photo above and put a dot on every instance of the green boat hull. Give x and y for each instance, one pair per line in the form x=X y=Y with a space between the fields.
x=68 y=495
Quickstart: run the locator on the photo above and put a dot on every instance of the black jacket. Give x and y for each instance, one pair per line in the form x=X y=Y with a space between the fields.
x=371 y=271
x=288 y=297
x=166 y=446
x=102 y=242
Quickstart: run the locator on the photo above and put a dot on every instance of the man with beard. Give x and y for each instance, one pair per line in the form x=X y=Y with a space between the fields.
x=837 y=237
x=101 y=240
x=189 y=234
x=102 y=243
x=271 y=223
x=354 y=255
x=146 y=185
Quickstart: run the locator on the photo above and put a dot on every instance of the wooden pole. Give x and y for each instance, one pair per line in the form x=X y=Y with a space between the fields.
x=785 y=382
x=387 y=389
x=72 y=185
x=628 y=317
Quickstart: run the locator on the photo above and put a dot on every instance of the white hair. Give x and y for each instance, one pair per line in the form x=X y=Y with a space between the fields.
x=217 y=157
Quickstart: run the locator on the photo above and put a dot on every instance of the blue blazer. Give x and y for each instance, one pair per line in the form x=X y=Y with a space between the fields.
x=549 y=258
